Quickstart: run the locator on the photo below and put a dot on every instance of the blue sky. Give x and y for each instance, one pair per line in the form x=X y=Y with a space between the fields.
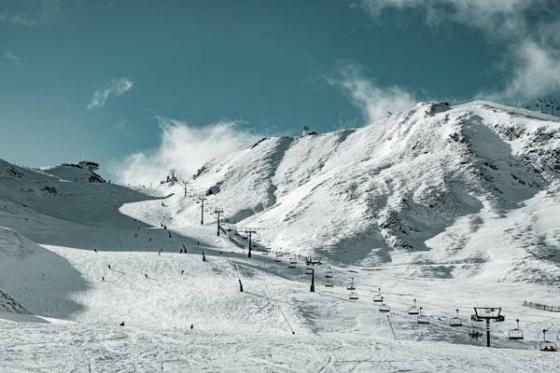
x=107 y=79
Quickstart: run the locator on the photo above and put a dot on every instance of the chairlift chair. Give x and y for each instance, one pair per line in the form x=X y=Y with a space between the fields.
x=351 y=286
x=384 y=308
x=293 y=262
x=329 y=274
x=515 y=333
x=329 y=283
x=413 y=310
x=475 y=334
x=353 y=295
x=456 y=321
x=308 y=269
x=421 y=318
x=546 y=345
x=378 y=298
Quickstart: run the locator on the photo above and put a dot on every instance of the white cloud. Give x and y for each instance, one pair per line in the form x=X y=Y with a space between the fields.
x=528 y=28
x=536 y=73
x=29 y=13
x=183 y=147
x=13 y=58
x=374 y=101
x=116 y=87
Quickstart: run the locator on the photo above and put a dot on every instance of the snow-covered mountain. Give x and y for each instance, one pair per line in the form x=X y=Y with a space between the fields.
x=442 y=208
x=457 y=189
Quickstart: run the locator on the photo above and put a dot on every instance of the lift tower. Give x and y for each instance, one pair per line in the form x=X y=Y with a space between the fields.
x=486 y=314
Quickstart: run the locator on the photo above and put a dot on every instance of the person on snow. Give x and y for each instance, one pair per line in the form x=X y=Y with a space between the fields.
x=109 y=266
x=146 y=275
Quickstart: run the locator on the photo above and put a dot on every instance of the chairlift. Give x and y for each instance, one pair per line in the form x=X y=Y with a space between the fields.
x=378 y=298
x=456 y=321
x=293 y=262
x=421 y=318
x=353 y=295
x=546 y=345
x=516 y=333
x=351 y=286
x=413 y=310
x=278 y=256
x=384 y=308
x=308 y=269
x=329 y=274
x=475 y=334
x=329 y=283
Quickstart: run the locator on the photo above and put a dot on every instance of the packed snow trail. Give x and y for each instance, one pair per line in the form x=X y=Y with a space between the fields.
x=76 y=347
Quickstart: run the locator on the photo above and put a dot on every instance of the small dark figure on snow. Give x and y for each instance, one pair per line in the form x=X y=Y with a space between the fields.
x=192 y=326
x=203 y=257
x=159 y=252
x=169 y=234
x=95 y=250
x=102 y=278
x=184 y=249
x=121 y=324
x=109 y=266
x=146 y=275
x=182 y=271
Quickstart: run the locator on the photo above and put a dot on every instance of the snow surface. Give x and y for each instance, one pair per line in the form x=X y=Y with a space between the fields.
x=452 y=208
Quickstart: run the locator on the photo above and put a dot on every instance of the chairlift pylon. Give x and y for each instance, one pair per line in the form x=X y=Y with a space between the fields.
x=516 y=333
x=456 y=321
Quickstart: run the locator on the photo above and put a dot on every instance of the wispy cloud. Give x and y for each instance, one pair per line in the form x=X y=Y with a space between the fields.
x=12 y=57
x=528 y=28
x=115 y=87
x=28 y=13
x=183 y=147
x=374 y=101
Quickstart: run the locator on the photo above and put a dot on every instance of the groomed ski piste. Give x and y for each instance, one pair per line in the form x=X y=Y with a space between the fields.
x=78 y=258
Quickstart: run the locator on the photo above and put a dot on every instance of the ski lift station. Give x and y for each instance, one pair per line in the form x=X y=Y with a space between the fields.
x=89 y=165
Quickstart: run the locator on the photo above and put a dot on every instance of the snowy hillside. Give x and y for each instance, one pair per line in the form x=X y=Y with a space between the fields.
x=433 y=208
x=461 y=191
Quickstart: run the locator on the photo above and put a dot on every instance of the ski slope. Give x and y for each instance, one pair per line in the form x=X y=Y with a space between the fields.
x=78 y=258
